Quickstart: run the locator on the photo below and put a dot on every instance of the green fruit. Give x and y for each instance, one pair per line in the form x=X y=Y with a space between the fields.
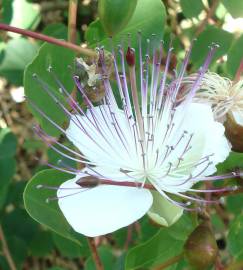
x=115 y=14
x=201 y=248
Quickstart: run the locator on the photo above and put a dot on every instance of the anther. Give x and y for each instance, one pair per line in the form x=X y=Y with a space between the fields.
x=130 y=57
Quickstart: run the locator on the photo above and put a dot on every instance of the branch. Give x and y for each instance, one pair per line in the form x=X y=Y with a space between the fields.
x=210 y=13
x=72 y=18
x=95 y=254
x=76 y=48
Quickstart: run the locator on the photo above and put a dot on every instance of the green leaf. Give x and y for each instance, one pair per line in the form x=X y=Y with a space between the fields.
x=210 y=35
x=7 y=11
x=49 y=55
x=7 y=170
x=191 y=8
x=3 y=195
x=8 y=143
x=114 y=15
x=163 y=212
x=28 y=18
x=41 y=244
x=235 y=236
x=32 y=145
x=233 y=161
x=16 y=55
x=235 y=56
x=15 y=194
x=234 y=204
x=235 y=7
x=165 y=244
x=57 y=30
x=70 y=249
x=3 y=263
x=18 y=250
x=140 y=21
x=95 y=33
x=11 y=225
x=45 y=213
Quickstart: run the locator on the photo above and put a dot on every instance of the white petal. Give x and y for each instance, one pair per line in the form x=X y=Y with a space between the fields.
x=215 y=142
x=207 y=132
x=208 y=138
x=238 y=117
x=110 y=146
x=102 y=209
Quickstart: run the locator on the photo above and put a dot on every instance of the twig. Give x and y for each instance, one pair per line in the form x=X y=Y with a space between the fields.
x=129 y=236
x=85 y=51
x=6 y=251
x=210 y=13
x=95 y=254
x=72 y=18
x=170 y=262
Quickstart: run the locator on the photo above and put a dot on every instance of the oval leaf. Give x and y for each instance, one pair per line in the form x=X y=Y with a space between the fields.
x=140 y=21
x=45 y=213
x=114 y=15
x=49 y=55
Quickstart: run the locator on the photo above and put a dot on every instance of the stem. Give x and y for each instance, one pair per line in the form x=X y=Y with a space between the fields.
x=95 y=254
x=72 y=19
x=76 y=48
x=170 y=262
x=210 y=13
x=129 y=236
x=6 y=251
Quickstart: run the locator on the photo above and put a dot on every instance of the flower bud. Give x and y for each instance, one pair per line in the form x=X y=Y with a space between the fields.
x=201 y=248
x=234 y=132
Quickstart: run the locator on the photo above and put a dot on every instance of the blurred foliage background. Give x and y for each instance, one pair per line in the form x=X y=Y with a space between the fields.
x=33 y=246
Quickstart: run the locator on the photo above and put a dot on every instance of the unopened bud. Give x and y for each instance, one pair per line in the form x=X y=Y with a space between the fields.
x=88 y=182
x=201 y=248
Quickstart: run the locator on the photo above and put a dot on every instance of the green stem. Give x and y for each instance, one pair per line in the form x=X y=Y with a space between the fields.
x=84 y=51
x=72 y=19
